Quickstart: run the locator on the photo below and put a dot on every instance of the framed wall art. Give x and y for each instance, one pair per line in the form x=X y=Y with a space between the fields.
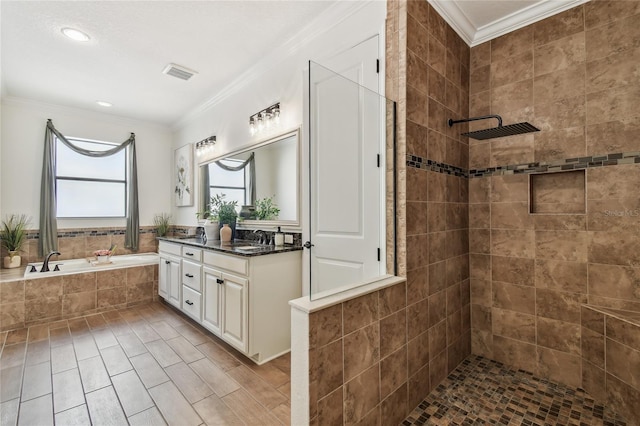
x=183 y=176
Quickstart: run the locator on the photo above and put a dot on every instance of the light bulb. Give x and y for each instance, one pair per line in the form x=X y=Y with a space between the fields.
x=260 y=122
x=276 y=115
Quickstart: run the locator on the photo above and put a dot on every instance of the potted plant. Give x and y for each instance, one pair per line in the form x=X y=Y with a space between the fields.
x=13 y=235
x=162 y=222
x=267 y=209
x=227 y=215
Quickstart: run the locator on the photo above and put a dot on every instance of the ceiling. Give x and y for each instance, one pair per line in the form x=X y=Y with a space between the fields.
x=132 y=42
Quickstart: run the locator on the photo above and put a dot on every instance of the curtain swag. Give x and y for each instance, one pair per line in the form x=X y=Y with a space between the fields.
x=251 y=162
x=48 y=222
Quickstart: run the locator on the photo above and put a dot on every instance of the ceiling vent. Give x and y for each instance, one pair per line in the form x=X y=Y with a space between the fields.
x=178 y=71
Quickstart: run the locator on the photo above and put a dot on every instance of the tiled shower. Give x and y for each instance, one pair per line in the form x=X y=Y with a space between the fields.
x=524 y=249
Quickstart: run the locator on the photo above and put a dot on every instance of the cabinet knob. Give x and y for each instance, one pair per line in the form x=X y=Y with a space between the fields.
x=219 y=281
x=189 y=254
x=188 y=302
x=167 y=262
x=189 y=275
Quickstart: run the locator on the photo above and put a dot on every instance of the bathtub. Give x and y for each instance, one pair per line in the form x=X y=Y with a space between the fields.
x=77 y=266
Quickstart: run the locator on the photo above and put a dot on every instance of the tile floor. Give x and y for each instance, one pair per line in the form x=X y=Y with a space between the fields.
x=481 y=391
x=145 y=365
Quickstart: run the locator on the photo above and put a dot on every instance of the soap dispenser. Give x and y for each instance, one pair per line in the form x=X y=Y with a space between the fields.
x=279 y=238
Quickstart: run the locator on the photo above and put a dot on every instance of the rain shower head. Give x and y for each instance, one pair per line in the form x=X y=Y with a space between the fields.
x=496 y=132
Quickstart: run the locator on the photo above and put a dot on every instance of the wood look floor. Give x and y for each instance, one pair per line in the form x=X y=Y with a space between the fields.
x=146 y=365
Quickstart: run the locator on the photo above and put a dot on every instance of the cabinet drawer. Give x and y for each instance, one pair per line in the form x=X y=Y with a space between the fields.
x=169 y=248
x=192 y=303
x=230 y=263
x=191 y=275
x=192 y=253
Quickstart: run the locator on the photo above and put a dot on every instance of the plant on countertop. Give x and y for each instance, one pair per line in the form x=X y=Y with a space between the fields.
x=267 y=209
x=227 y=212
x=162 y=222
x=14 y=232
x=213 y=208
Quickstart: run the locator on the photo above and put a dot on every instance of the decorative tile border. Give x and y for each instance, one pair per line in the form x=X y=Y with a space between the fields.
x=615 y=159
x=34 y=234
x=422 y=163
x=560 y=165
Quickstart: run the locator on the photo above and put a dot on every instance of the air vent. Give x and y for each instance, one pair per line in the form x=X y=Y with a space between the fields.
x=179 y=71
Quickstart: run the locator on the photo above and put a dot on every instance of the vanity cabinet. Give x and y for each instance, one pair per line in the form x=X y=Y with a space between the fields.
x=169 y=273
x=226 y=306
x=244 y=300
x=192 y=282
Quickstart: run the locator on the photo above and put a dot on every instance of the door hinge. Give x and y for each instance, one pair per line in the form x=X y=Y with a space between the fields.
x=378 y=160
x=378 y=66
x=379 y=254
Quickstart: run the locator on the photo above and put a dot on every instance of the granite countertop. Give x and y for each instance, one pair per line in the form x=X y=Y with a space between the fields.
x=233 y=247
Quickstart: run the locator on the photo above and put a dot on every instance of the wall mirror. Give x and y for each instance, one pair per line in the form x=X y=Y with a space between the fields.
x=264 y=179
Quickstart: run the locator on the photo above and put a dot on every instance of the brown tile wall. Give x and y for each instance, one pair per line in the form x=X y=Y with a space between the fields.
x=77 y=243
x=27 y=302
x=611 y=360
x=576 y=76
x=437 y=218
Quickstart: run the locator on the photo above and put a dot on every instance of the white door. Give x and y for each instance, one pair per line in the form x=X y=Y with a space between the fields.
x=234 y=311
x=346 y=179
x=212 y=299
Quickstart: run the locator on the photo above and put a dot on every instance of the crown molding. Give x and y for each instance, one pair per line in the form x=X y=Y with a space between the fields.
x=327 y=20
x=456 y=18
x=473 y=36
x=522 y=18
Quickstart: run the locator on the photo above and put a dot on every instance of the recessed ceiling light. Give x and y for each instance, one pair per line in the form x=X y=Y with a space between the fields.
x=76 y=35
x=104 y=104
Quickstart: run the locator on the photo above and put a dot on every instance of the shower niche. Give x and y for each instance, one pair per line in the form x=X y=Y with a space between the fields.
x=557 y=193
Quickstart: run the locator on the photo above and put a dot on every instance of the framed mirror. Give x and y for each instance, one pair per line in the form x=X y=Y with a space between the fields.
x=264 y=180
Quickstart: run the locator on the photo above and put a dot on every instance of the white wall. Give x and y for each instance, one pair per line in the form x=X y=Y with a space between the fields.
x=280 y=80
x=23 y=129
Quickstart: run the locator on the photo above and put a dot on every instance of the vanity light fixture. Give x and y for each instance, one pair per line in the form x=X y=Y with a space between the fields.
x=76 y=35
x=264 y=119
x=205 y=146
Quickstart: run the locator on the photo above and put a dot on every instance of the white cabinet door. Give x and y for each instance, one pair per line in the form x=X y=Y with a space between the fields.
x=174 y=282
x=234 y=311
x=213 y=291
x=164 y=276
x=169 y=279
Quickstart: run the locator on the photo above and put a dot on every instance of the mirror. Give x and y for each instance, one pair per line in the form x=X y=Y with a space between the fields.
x=264 y=179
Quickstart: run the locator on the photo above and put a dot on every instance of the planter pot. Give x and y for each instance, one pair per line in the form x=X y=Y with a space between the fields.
x=226 y=234
x=212 y=231
x=12 y=261
x=231 y=225
x=103 y=259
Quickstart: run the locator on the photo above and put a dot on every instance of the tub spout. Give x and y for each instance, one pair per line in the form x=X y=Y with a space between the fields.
x=45 y=265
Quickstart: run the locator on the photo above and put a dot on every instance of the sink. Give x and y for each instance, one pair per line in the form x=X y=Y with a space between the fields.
x=248 y=248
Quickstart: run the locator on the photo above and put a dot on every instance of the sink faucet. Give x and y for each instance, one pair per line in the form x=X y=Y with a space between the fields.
x=45 y=265
x=263 y=236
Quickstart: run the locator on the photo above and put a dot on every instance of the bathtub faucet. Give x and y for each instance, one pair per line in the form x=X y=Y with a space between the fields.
x=45 y=265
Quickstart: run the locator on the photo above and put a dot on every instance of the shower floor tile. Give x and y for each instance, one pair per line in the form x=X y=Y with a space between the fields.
x=481 y=391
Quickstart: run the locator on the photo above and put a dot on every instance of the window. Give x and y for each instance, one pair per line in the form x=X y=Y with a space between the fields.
x=90 y=186
x=232 y=184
